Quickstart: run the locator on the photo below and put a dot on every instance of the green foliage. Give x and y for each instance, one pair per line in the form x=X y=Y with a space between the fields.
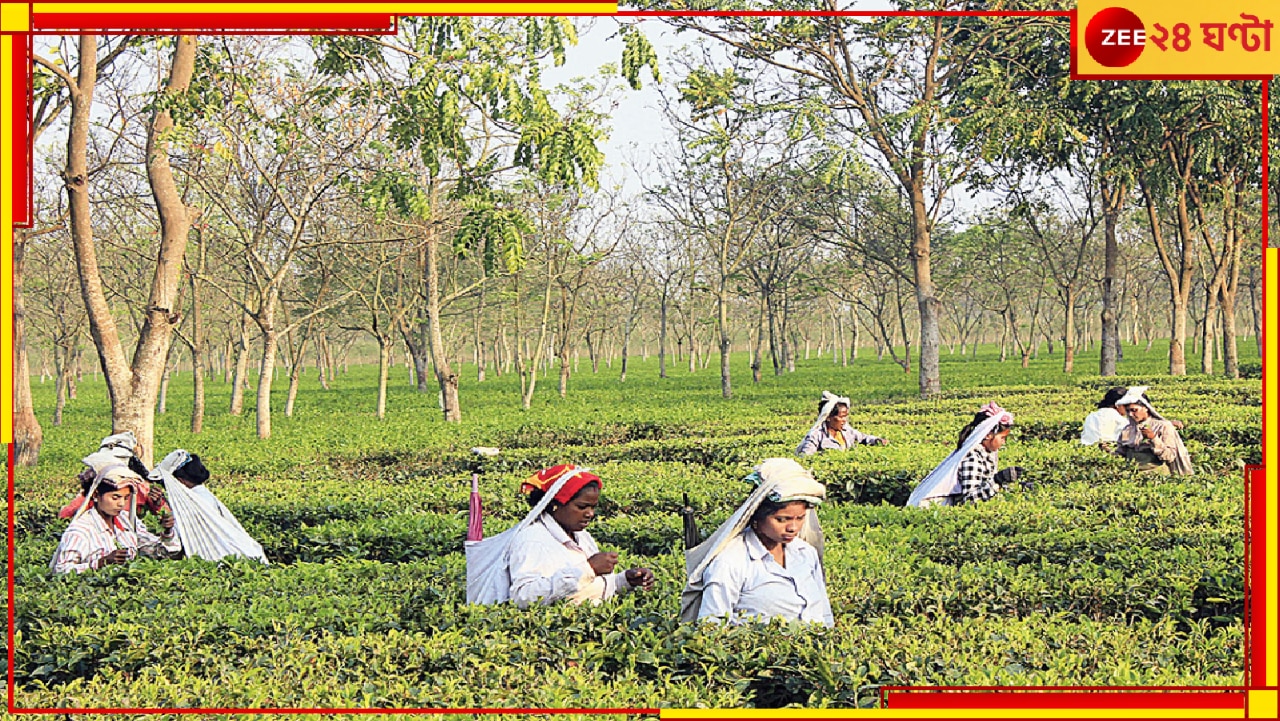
x=1098 y=576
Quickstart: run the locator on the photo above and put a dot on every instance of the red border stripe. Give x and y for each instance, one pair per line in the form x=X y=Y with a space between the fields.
x=1082 y=700
x=222 y=22
x=20 y=173
x=1256 y=579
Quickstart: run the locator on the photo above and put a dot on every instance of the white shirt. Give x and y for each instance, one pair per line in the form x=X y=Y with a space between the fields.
x=546 y=565
x=1103 y=425
x=89 y=538
x=744 y=581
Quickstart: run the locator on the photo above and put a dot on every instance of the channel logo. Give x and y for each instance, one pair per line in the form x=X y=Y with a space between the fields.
x=1115 y=37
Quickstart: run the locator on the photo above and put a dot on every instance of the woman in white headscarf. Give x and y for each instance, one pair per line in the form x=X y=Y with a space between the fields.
x=1150 y=440
x=765 y=561
x=968 y=474
x=831 y=431
x=206 y=527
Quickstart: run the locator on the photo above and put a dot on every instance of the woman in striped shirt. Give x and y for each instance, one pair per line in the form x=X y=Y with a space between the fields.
x=105 y=533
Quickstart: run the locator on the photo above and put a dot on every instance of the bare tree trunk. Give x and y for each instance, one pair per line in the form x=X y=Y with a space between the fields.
x=384 y=364
x=756 y=360
x=64 y=378
x=266 y=371
x=197 y=346
x=726 y=343
x=1113 y=195
x=480 y=359
x=926 y=297
x=626 y=343
x=531 y=372
x=295 y=375
x=1207 y=334
x=1069 y=332
x=853 y=337
x=662 y=335
x=162 y=401
x=566 y=321
x=445 y=375
x=132 y=386
x=27 y=434
x=239 y=378
x=1230 y=348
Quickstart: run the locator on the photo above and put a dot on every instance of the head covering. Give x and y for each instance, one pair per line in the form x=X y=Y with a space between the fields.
x=108 y=467
x=120 y=445
x=547 y=477
x=943 y=481
x=780 y=480
x=1137 y=394
x=115 y=450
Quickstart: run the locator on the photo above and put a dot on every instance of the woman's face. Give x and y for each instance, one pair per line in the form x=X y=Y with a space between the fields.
x=995 y=441
x=837 y=419
x=1138 y=412
x=111 y=503
x=575 y=515
x=784 y=524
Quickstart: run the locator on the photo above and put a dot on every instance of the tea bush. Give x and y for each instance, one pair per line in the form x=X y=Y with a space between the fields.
x=1097 y=576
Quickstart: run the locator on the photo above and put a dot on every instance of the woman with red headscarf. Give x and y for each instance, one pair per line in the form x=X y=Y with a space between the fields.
x=553 y=557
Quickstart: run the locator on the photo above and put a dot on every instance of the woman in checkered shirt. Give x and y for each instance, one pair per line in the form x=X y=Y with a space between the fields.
x=977 y=475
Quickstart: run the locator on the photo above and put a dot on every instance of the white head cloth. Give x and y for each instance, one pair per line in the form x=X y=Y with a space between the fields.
x=780 y=480
x=489 y=562
x=1134 y=395
x=206 y=528
x=120 y=445
x=943 y=482
x=110 y=467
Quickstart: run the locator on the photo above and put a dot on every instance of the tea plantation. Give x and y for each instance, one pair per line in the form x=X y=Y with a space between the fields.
x=1098 y=576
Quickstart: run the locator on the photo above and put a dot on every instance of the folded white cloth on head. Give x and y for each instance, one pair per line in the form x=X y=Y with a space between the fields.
x=120 y=445
x=1135 y=395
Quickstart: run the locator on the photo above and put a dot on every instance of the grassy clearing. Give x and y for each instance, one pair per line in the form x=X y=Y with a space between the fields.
x=1096 y=577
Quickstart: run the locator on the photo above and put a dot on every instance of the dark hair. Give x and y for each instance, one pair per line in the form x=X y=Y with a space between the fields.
x=768 y=508
x=1112 y=397
x=137 y=466
x=193 y=471
x=823 y=404
x=978 y=418
x=535 y=496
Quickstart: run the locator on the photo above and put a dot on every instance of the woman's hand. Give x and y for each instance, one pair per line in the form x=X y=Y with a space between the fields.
x=156 y=495
x=641 y=578
x=603 y=563
x=882 y=442
x=117 y=556
x=1147 y=431
x=166 y=522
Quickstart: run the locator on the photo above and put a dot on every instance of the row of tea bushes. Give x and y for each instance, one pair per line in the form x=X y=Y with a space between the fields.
x=1097 y=576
